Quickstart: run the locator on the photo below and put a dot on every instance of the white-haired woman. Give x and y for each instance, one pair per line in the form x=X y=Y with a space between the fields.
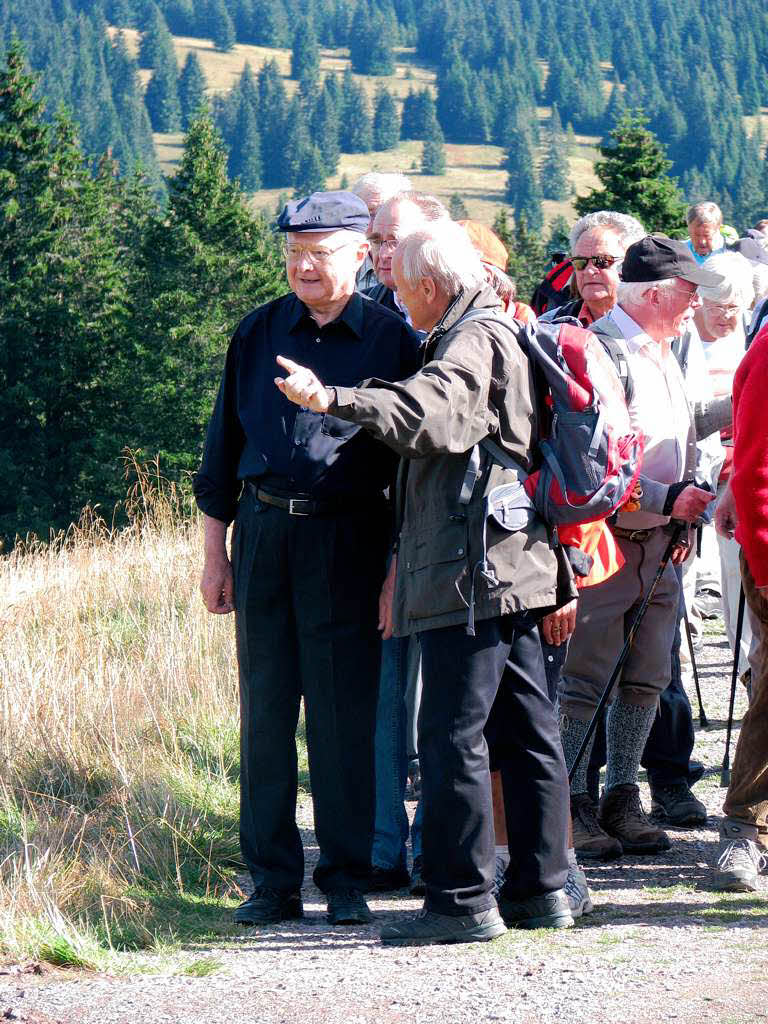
x=720 y=321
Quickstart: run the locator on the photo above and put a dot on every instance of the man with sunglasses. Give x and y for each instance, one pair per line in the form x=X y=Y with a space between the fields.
x=312 y=530
x=598 y=243
x=656 y=303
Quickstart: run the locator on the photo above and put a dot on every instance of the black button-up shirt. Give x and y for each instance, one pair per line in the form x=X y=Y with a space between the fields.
x=256 y=433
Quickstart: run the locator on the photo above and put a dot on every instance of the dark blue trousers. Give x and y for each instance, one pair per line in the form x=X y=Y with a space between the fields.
x=306 y=612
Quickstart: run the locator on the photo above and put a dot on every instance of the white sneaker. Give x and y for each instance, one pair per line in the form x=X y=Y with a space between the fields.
x=577 y=892
x=739 y=859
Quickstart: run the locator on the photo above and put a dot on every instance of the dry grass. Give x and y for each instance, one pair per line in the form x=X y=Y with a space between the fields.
x=118 y=738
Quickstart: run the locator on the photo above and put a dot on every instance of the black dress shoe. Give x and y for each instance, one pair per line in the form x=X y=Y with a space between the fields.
x=268 y=906
x=388 y=879
x=348 y=906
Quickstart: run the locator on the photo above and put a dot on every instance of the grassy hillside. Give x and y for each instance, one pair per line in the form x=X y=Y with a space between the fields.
x=474 y=172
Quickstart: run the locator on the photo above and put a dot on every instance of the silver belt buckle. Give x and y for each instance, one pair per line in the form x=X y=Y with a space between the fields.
x=296 y=511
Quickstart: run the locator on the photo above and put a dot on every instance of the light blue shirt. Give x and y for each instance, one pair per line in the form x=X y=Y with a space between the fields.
x=700 y=259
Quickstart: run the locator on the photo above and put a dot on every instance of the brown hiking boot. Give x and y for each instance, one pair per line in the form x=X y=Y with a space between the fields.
x=621 y=814
x=589 y=840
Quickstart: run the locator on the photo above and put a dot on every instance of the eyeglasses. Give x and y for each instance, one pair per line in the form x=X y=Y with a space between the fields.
x=384 y=243
x=691 y=296
x=599 y=262
x=294 y=252
x=726 y=310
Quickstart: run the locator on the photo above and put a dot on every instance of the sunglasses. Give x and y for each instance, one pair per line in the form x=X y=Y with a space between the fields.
x=599 y=262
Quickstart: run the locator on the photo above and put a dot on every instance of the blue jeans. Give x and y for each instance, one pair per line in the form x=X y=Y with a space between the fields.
x=391 y=828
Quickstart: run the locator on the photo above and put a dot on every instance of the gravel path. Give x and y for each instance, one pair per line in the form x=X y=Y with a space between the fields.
x=658 y=947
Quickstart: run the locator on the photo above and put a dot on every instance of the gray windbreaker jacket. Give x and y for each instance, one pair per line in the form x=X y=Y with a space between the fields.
x=475 y=381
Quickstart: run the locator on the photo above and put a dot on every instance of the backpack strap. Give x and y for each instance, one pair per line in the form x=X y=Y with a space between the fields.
x=475 y=464
x=609 y=336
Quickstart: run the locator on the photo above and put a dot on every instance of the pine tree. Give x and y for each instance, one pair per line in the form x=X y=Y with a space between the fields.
x=356 y=128
x=311 y=172
x=457 y=207
x=156 y=44
x=305 y=56
x=522 y=186
x=192 y=87
x=554 y=171
x=220 y=26
x=559 y=235
x=386 y=122
x=502 y=228
x=433 y=151
x=527 y=258
x=245 y=156
x=62 y=327
x=162 y=98
x=325 y=127
x=633 y=172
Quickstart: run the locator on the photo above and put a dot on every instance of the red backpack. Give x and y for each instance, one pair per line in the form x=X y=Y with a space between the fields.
x=588 y=457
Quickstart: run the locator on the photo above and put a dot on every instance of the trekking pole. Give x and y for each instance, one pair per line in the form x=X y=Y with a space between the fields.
x=725 y=774
x=703 y=721
x=673 y=542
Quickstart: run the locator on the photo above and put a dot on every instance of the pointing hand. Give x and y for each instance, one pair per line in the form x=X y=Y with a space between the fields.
x=302 y=386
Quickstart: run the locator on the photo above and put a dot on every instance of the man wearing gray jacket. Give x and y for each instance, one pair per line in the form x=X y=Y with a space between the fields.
x=473 y=592
x=655 y=305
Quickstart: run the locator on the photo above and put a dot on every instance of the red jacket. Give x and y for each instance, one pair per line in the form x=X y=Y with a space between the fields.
x=749 y=480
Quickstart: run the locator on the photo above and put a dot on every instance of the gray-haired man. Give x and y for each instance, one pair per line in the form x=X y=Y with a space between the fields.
x=475 y=380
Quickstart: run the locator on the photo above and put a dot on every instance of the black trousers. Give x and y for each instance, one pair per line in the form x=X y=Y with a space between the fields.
x=464 y=677
x=306 y=600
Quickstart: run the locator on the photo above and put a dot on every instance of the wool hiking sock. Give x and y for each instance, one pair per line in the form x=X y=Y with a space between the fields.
x=572 y=733
x=626 y=730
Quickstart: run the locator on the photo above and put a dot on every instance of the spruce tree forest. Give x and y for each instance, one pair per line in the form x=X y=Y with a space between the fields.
x=120 y=285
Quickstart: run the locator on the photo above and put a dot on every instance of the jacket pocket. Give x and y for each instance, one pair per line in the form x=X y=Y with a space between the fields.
x=433 y=561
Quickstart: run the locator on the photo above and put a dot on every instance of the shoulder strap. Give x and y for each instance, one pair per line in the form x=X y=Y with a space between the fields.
x=609 y=336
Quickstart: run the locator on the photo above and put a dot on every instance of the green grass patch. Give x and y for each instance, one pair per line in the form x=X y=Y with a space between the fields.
x=202 y=968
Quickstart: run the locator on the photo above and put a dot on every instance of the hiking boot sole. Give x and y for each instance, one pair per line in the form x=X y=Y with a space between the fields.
x=585 y=907
x=481 y=934
x=691 y=820
x=656 y=846
x=732 y=883
x=545 y=921
x=605 y=855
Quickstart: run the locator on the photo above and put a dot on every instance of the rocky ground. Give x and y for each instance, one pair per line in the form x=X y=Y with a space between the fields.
x=659 y=946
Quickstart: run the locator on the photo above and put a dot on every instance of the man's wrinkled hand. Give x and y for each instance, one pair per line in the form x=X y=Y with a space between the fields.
x=218 y=588
x=691 y=503
x=726 y=516
x=302 y=387
x=385 y=601
x=558 y=625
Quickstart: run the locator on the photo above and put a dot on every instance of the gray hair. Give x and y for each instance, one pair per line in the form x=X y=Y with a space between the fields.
x=378 y=187
x=429 y=206
x=760 y=280
x=628 y=229
x=736 y=285
x=632 y=293
x=443 y=252
x=704 y=213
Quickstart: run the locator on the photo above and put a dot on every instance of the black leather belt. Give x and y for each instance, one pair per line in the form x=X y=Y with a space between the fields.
x=637 y=535
x=303 y=506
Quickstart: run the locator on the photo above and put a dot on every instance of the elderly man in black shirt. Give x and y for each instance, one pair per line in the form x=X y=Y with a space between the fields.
x=312 y=528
